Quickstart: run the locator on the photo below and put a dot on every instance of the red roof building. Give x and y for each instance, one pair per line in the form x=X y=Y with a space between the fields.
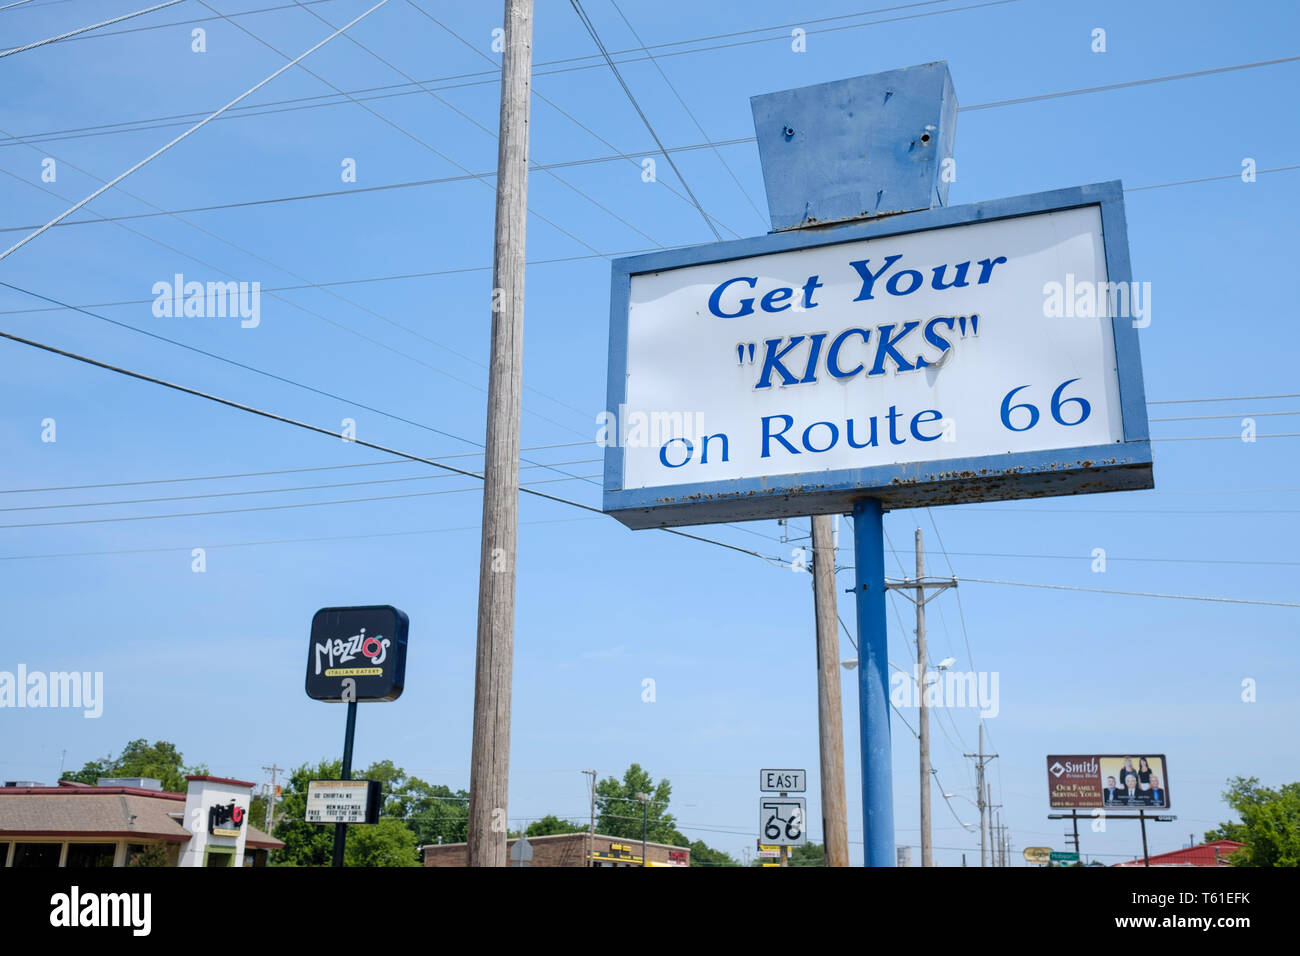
x=1215 y=853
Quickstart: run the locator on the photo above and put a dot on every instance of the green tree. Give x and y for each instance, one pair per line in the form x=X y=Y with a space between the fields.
x=1270 y=823
x=704 y=855
x=551 y=824
x=160 y=760
x=619 y=812
x=305 y=844
x=389 y=842
x=810 y=854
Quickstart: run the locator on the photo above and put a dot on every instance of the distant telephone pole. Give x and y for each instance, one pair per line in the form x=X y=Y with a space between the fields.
x=273 y=770
x=983 y=804
x=919 y=585
x=489 y=776
x=591 y=833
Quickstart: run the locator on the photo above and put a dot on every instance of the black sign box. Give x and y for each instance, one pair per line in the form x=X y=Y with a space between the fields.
x=357 y=653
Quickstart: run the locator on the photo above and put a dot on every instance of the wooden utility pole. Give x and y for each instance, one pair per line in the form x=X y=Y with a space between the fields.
x=982 y=789
x=591 y=832
x=920 y=585
x=489 y=780
x=830 y=717
x=927 y=852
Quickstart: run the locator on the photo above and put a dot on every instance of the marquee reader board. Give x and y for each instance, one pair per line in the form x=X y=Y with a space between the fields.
x=917 y=359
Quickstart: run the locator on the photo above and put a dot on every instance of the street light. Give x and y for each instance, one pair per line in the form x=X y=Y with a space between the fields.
x=849 y=664
x=645 y=807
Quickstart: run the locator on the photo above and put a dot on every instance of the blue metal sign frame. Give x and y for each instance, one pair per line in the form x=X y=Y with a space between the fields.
x=1118 y=466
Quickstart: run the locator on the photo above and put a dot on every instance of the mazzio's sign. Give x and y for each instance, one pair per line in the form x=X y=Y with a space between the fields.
x=967 y=353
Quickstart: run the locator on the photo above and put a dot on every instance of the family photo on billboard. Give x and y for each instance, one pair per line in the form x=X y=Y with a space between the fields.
x=1133 y=782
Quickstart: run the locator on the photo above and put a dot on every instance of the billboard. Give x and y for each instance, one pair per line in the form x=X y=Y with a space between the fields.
x=1088 y=781
x=967 y=353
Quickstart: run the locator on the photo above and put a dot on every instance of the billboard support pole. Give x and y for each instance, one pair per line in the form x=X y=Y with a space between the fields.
x=341 y=829
x=1142 y=821
x=873 y=684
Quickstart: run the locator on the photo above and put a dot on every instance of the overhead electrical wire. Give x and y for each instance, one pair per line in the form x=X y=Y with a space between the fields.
x=281 y=106
x=1178 y=597
x=244 y=492
x=260 y=474
x=197 y=126
x=251 y=368
x=591 y=29
x=230 y=403
x=618 y=154
x=79 y=30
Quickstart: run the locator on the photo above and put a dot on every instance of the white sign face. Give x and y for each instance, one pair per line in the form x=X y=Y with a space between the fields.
x=919 y=347
x=337 y=801
x=782 y=820
x=782 y=781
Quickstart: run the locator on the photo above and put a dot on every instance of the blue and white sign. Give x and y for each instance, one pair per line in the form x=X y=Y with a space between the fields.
x=957 y=354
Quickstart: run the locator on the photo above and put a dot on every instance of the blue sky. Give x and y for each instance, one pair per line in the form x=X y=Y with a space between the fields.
x=213 y=661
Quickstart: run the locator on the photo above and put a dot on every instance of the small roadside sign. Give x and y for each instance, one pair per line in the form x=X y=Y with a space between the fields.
x=782 y=818
x=521 y=854
x=1064 y=856
x=782 y=781
x=343 y=801
x=1038 y=854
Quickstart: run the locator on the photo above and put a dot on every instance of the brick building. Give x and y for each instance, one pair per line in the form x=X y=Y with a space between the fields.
x=570 y=849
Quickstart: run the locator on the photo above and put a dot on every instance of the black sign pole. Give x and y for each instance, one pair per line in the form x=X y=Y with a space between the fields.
x=341 y=829
x=1142 y=819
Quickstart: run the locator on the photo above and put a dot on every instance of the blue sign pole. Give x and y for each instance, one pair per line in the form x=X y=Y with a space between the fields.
x=873 y=684
x=836 y=152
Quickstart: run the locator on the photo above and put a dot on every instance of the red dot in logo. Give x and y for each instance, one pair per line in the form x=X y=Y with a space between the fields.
x=365 y=647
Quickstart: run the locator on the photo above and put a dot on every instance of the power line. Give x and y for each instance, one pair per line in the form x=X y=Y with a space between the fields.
x=93 y=26
x=254 y=544
x=289 y=302
x=259 y=474
x=255 y=370
x=618 y=154
x=528 y=487
x=197 y=126
x=287 y=105
x=492 y=76
x=262 y=491
x=721 y=159
x=591 y=29
x=1226 y=437
x=1109 y=557
x=1128 y=84
x=1237 y=398
x=1179 y=597
x=491 y=132
x=366 y=444
x=1206 y=418
x=1207 y=179
x=541 y=167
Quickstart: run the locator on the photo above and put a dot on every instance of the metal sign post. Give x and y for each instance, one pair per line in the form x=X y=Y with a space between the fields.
x=341 y=829
x=873 y=684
